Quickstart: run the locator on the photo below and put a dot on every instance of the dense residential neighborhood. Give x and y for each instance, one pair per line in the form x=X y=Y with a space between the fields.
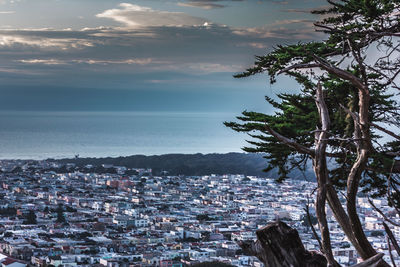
x=62 y=215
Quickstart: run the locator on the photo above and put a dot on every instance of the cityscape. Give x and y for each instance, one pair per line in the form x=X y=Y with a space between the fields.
x=56 y=214
x=200 y=133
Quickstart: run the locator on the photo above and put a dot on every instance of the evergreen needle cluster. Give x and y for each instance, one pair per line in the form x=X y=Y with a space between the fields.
x=344 y=118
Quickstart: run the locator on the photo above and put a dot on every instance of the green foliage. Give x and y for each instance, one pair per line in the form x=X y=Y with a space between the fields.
x=305 y=222
x=351 y=26
x=60 y=214
x=131 y=172
x=8 y=234
x=185 y=164
x=17 y=170
x=246 y=179
x=8 y=212
x=30 y=218
x=203 y=217
x=296 y=118
x=70 y=209
x=377 y=234
x=347 y=245
x=189 y=240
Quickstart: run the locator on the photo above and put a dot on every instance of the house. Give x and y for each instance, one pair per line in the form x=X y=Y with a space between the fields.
x=10 y=262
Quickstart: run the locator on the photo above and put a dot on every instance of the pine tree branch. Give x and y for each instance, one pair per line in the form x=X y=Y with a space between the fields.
x=392 y=134
x=299 y=66
x=325 y=65
x=290 y=142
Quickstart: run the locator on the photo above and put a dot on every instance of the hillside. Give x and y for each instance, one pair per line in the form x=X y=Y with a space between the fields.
x=189 y=164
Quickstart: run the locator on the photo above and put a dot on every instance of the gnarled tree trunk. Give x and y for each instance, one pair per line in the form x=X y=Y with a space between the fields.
x=279 y=245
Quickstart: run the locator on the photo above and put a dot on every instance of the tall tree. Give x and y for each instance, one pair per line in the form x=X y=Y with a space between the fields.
x=343 y=112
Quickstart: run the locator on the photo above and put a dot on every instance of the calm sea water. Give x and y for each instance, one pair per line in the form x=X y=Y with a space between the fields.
x=40 y=135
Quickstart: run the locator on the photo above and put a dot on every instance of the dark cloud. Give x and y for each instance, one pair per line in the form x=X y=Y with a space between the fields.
x=212 y=4
x=305 y=10
x=181 y=57
x=189 y=49
x=201 y=4
x=169 y=50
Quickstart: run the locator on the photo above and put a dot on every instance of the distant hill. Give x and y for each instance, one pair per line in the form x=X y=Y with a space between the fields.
x=189 y=164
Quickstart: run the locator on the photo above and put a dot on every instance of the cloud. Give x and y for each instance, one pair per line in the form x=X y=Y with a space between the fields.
x=201 y=68
x=52 y=61
x=135 y=16
x=43 y=61
x=201 y=4
x=255 y=45
x=198 y=50
x=9 y=1
x=213 y=4
x=43 y=38
x=296 y=29
x=151 y=45
x=214 y=67
x=134 y=61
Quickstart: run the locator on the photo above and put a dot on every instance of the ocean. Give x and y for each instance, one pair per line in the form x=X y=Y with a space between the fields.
x=42 y=135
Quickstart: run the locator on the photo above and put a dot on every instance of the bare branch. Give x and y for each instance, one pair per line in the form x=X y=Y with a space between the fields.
x=389 y=188
x=392 y=238
x=307 y=210
x=290 y=142
x=371 y=262
x=391 y=79
x=340 y=73
x=383 y=214
x=361 y=131
x=383 y=34
x=359 y=59
x=392 y=134
x=321 y=172
x=390 y=251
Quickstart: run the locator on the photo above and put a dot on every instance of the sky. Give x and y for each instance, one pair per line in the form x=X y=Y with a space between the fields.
x=143 y=55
